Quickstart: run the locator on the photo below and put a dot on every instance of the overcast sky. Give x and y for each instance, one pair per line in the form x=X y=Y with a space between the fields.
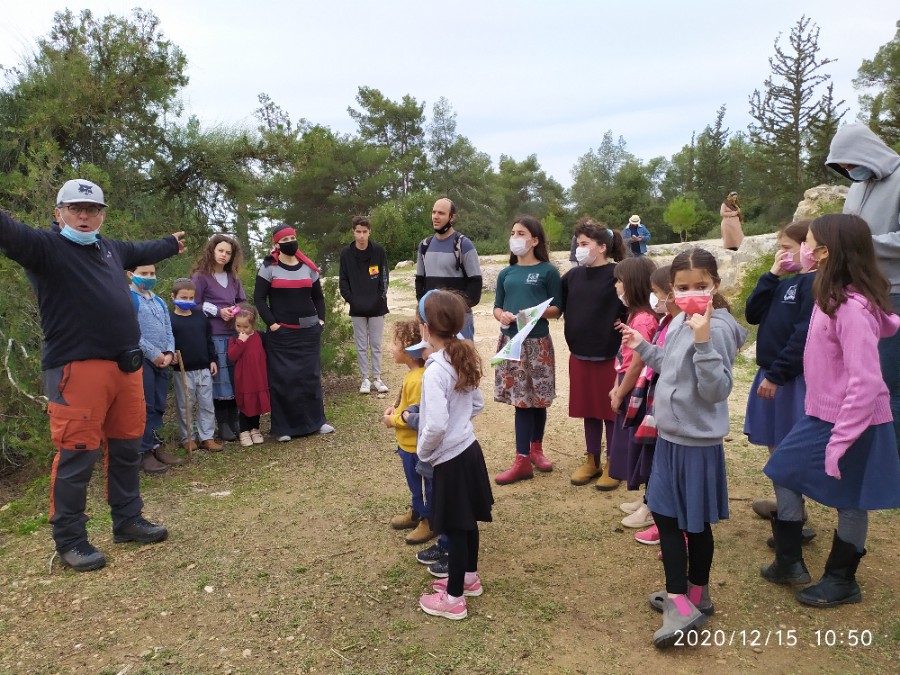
x=523 y=77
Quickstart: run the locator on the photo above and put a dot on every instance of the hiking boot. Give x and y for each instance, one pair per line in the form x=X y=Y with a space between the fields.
x=650 y=536
x=838 y=585
x=788 y=567
x=440 y=569
x=471 y=585
x=245 y=439
x=538 y=460
x=698 y=595
x=432 y=554
x=150 y=464
x=438 y=604
x=631 y=507
x=256 y=436
x=679 y=617
x=365 y=387
x=639 y=519
x=405 y=521
x=83 y=557
x=421 y=534
x=380 y=386
x=520 y=470
x=605 y=483
x=167 y=457
x=141 y=530
x=189 y=446
x=211 y=445
x=585 y=473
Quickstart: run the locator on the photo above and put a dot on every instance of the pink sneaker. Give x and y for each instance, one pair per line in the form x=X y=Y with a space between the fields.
x=437 y=604
x=650 y=536
x=471 y=589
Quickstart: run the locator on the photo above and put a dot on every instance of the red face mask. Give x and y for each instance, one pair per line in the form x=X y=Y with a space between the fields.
x=693 y=302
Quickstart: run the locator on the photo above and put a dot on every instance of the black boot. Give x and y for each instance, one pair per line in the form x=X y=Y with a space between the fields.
x=233 y=420
x=838 y=585
x=223 y=421
x=788 y=567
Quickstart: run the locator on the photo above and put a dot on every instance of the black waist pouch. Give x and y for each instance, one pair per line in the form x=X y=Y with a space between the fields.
x=131 y=360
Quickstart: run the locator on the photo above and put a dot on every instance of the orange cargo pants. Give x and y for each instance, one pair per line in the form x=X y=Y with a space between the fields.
x=93 y=407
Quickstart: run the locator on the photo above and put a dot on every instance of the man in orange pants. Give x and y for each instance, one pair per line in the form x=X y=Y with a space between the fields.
x=91 y=363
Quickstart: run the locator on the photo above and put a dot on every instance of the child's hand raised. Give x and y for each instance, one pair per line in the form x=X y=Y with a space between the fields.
x=243 y=337
x=699 y=323
x=630 y=337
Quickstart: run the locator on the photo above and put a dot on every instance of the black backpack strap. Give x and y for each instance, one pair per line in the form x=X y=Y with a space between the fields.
x=457 y=249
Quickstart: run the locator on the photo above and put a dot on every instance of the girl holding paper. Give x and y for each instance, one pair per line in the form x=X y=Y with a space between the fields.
x=530 y=383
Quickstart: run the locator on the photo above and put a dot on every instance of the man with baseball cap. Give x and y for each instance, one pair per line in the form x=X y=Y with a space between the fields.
x=91 y=363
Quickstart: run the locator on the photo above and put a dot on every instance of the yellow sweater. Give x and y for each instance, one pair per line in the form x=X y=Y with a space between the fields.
x=410 y=394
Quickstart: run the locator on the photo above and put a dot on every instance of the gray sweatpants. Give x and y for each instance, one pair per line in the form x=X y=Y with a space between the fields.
x=367 y=333
x=199 y=384
x=853 y=524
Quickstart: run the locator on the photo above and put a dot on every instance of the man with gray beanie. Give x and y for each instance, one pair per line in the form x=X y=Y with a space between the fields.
x=91 y=363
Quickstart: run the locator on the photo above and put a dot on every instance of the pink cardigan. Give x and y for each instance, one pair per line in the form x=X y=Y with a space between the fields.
x=843 y=378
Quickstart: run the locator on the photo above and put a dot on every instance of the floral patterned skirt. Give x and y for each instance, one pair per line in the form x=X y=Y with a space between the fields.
x=531 y=382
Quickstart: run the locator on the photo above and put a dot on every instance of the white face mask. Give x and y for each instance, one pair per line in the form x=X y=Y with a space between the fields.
x=583 y=256
x=659 y=306
x=654 y=301
x=622 y=299
x=518 y=246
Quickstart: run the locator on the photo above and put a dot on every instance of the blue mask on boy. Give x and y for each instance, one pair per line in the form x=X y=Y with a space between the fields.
x=184 y=305
x=861 y=173
x=143 y=283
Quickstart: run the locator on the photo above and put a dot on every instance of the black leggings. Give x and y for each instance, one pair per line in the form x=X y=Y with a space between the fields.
x=530 y=423
x=248 y=423
x=463 y=557
x=675 y=558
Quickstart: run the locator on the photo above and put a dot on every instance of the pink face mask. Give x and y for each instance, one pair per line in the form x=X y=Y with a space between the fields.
x=788 y=264
x=693 y=302
x=807 y=259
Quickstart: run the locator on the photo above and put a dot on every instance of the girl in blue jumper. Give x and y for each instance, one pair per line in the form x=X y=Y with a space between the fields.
x=781 y=305
x=687 y=490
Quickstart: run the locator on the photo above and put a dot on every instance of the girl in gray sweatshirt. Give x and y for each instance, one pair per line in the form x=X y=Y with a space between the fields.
x=687 y=490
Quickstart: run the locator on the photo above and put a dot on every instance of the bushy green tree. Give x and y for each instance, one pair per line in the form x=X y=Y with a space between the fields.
x=879 y=81
x=683 y=215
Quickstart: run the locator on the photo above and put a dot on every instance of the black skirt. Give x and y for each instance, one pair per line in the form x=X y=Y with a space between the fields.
x=461 y=493
x=294 y=367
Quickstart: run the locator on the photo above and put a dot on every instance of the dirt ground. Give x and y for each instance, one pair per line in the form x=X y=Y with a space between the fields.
x=280 y=560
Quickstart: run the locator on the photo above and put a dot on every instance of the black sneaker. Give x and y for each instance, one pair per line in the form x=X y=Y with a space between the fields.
x=83 y=557
x=440 y=569
x=430 y=555
x=142 y=531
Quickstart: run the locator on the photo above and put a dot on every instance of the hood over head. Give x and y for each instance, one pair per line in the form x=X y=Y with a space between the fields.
x=857 y=144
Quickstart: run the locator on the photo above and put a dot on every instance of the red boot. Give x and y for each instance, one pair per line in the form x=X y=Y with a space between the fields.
x=520 y=470
x=540 y=462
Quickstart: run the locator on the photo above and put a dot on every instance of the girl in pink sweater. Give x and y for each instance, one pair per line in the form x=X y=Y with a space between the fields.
x=843 y=453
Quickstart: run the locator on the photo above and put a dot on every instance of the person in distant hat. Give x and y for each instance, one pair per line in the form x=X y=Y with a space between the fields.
x=91 y=363
x=636 y=235
x=732 y=221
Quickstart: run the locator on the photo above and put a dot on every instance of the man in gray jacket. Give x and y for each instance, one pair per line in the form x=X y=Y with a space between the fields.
x=858 y=154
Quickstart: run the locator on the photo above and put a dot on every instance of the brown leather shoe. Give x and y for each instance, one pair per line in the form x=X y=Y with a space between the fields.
x=210 y=445
x=150 y=464
x=606 y=483
x=405 y=521
x=421 y=534
x=585 y=473
x=167 y=457
x=190 y=446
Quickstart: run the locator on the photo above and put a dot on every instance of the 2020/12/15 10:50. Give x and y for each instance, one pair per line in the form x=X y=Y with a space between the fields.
x=766 y=638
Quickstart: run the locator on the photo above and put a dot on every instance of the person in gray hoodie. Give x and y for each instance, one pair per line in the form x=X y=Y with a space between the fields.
x=858 y=154
x=687 y=490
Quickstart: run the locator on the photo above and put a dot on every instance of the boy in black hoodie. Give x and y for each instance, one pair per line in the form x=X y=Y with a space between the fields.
x=364 y=284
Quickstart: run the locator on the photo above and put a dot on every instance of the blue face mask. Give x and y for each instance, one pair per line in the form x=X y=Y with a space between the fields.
x=79 y=237
x=184 y=305
x=861 y=173
x=143 y=283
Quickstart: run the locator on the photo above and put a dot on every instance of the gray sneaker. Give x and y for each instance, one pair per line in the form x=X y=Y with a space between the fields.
x=675 y=625
x=705 y=605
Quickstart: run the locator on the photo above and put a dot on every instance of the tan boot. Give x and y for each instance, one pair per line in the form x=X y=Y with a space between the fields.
x=190 y=446
x=605 y=483
x=421 y=534
x=210 y=445
x=585 y=473
x=406 y=521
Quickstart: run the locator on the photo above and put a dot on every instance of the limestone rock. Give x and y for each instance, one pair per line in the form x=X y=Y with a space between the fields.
x=404 y=263
x=821 y=199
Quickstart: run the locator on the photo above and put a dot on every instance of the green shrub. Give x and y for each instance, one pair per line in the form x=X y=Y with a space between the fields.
x=338 y=352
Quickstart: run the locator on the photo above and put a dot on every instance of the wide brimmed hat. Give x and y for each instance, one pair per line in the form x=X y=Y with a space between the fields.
x=635 y=220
